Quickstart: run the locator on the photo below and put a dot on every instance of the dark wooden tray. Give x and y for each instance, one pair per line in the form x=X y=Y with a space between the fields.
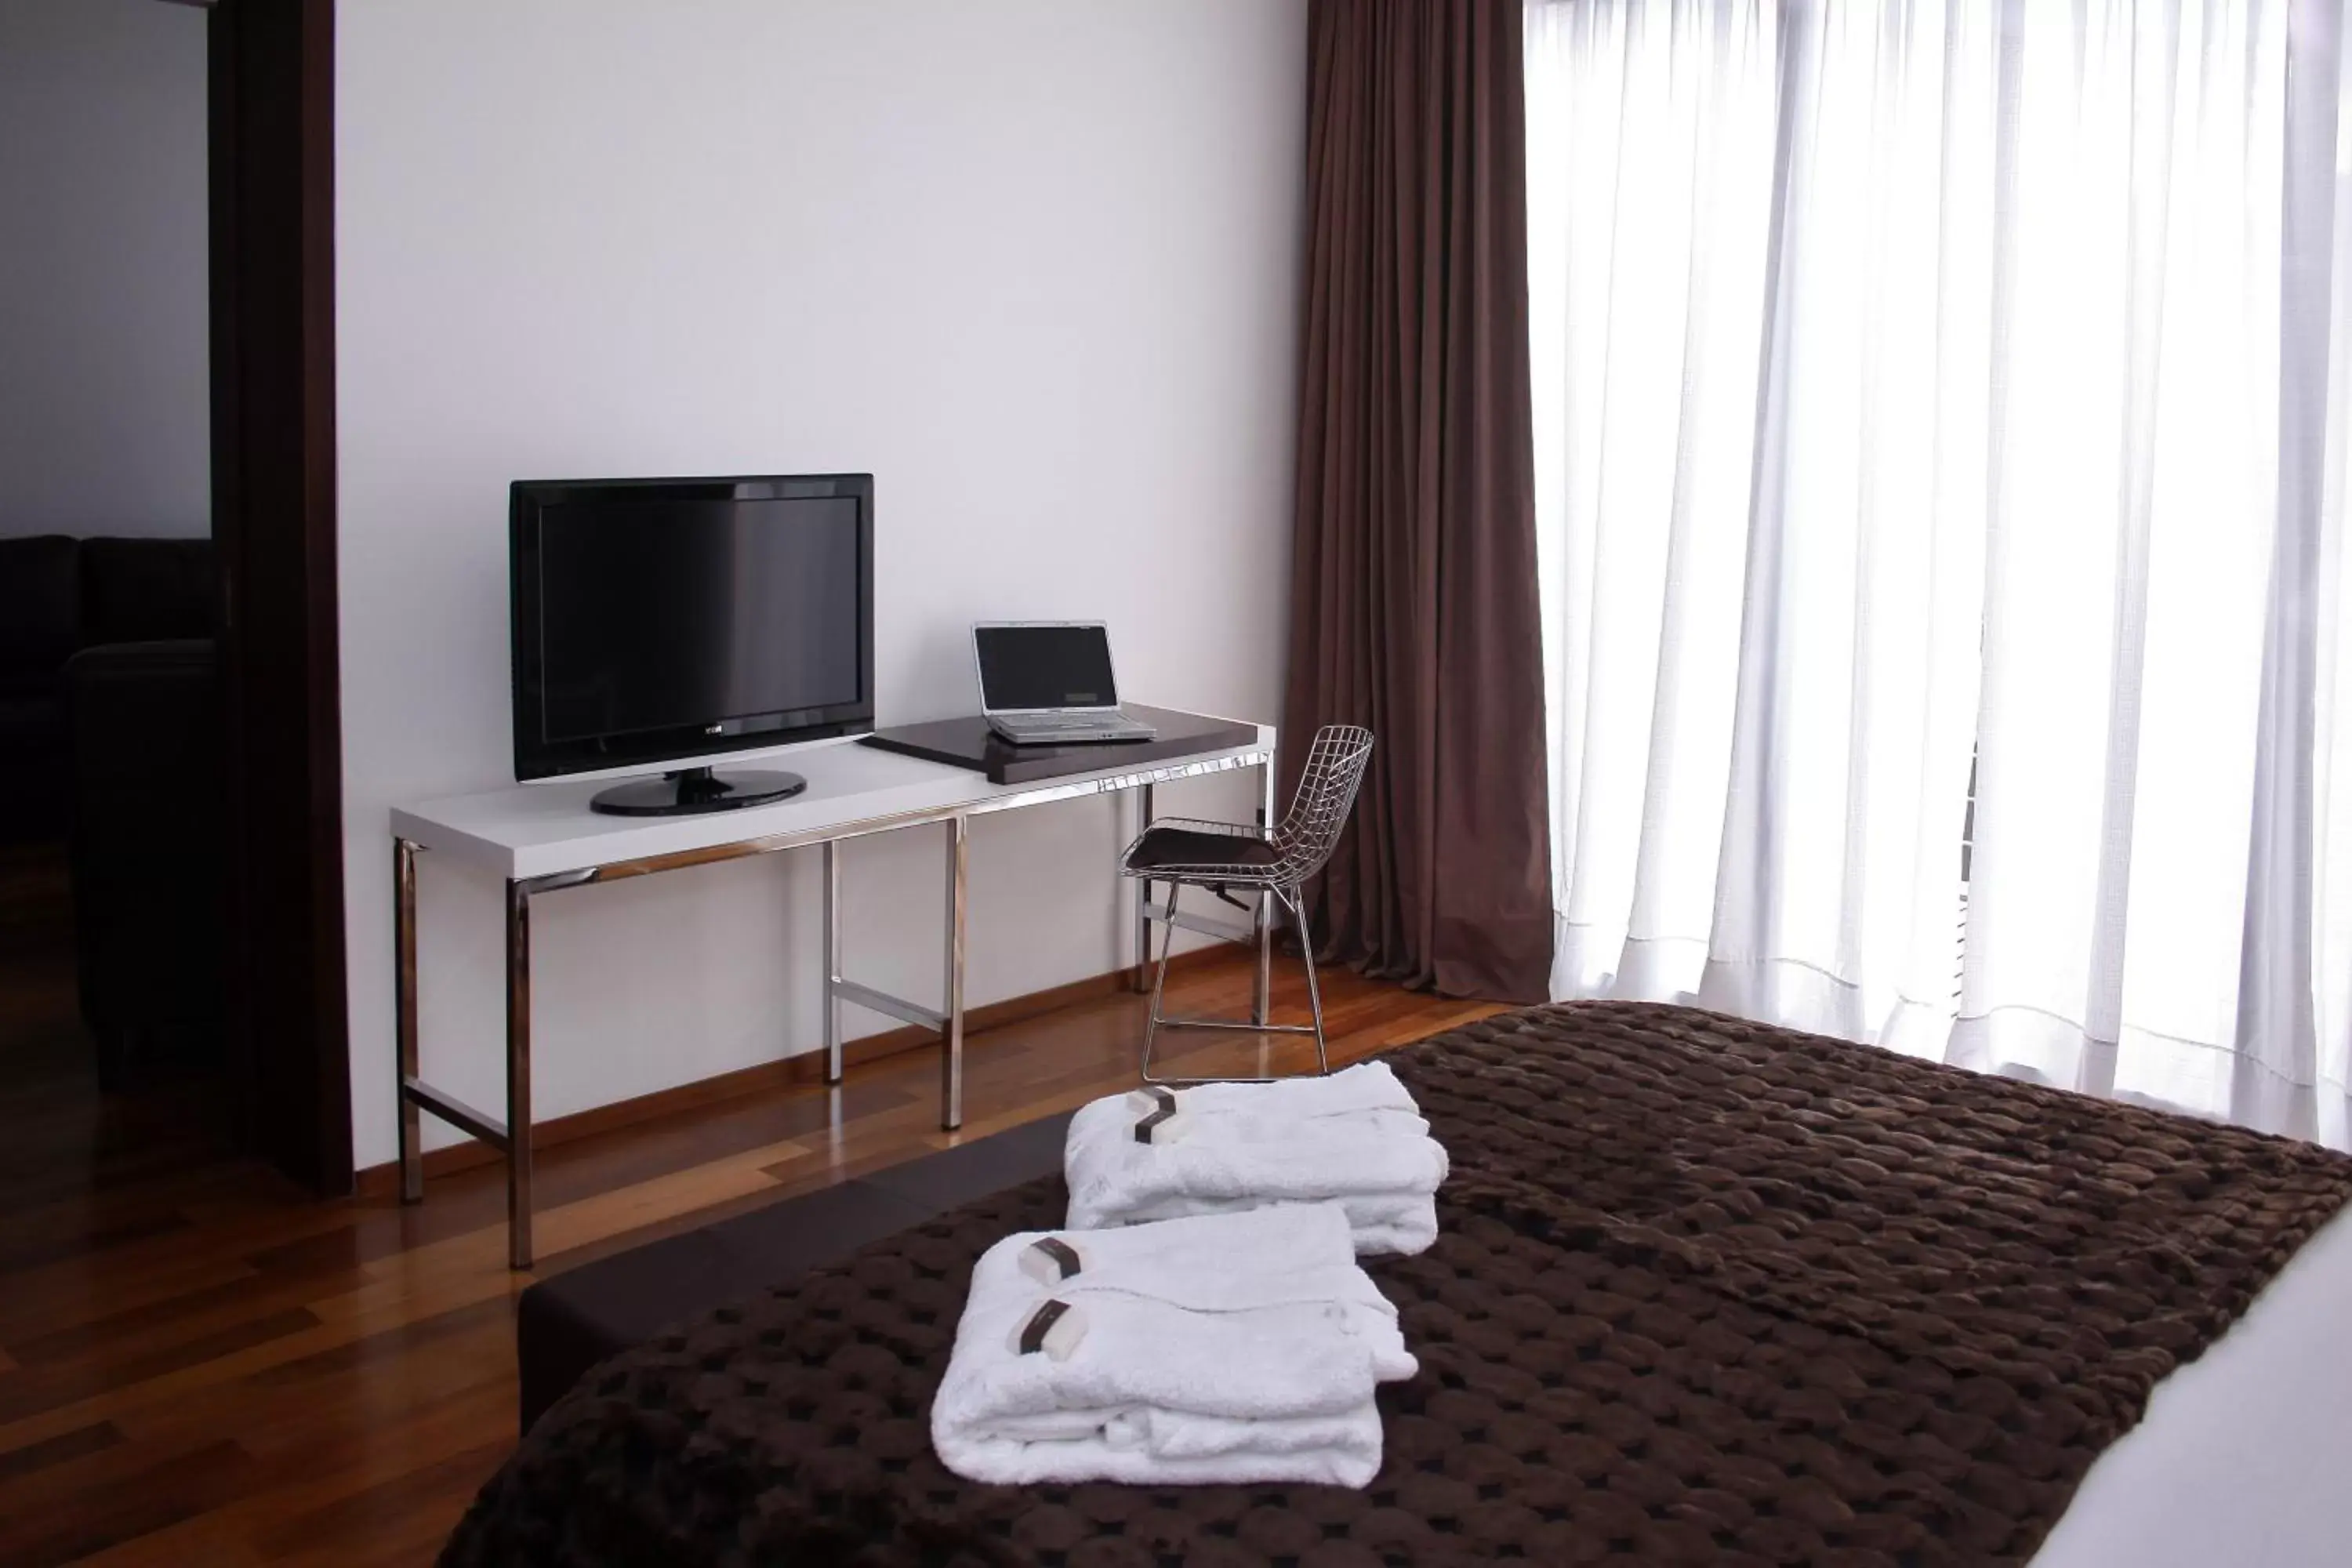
x=969 y=743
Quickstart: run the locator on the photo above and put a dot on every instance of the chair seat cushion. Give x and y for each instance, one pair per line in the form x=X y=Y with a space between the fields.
x=1184 y=848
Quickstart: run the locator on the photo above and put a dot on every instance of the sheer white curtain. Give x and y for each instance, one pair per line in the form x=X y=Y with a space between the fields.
x=1941 y=412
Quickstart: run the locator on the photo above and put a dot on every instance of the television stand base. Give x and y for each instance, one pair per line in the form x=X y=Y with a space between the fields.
x=691 y=790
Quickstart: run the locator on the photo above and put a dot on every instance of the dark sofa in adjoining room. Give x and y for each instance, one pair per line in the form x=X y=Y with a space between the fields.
x=59 y=595
x=110 y=736
x=40 y=629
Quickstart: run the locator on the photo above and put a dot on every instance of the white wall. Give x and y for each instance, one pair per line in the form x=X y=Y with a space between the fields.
x=104 y=421
x=1034 y=263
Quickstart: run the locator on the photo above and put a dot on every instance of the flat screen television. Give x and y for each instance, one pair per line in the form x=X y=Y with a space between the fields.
x=657 y=621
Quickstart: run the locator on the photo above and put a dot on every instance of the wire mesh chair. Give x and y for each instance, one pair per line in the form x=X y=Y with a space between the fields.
x=1224 y=857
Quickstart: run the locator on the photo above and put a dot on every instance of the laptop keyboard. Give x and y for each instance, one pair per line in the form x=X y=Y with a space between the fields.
x=1048 y=725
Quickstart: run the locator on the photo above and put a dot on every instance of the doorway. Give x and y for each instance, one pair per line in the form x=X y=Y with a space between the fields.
x=170 y=905
x=113 y=1037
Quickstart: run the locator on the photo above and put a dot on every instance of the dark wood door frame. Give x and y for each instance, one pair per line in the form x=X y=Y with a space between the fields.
x=273 y=412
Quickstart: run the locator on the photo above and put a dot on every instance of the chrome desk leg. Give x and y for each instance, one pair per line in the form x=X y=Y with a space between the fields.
x=403 y=1016
x=831 y=962
x=1262 y=985
x=1143 y=900
x=951 y=1030
x=518 y=1075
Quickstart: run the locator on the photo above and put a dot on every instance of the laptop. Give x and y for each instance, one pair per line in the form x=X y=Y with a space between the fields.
x=1048 y=683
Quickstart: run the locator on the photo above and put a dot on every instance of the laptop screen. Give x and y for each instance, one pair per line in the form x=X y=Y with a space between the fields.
x=1044 y=667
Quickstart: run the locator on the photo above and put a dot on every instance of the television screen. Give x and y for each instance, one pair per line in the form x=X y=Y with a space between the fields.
x=666 y=613
x=660 y=620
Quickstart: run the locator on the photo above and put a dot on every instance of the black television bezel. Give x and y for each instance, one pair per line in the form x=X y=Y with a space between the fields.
x=683 y=745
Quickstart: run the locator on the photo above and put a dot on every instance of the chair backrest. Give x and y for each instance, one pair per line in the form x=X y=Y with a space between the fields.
x=1319 y=807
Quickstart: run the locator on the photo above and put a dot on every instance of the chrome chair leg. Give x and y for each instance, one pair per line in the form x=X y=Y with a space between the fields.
x=1160 y=981
x=1314 y=991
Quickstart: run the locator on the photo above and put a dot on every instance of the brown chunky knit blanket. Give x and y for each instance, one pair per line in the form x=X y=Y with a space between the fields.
x=1706 y=1292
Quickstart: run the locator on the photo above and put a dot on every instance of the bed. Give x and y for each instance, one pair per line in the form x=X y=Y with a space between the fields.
x=1706 y=1292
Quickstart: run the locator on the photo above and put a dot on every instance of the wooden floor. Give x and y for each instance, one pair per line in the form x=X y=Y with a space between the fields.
x=200 y=1364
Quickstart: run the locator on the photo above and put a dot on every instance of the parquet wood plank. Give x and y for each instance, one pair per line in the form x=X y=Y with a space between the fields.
x=65 y=1445
x=123 y=1492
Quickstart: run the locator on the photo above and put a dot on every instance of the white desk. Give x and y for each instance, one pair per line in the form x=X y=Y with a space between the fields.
x=540 y=838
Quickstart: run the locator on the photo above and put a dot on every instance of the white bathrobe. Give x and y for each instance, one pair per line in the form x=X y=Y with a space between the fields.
x=1234 y=1348
x=1355 y=1138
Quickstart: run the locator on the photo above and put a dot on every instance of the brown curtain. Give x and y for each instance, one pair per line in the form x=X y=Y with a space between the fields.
x=1414 y=599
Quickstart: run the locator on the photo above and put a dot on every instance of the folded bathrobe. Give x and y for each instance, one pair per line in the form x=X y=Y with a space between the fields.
x=1233 y=1348
x=1355 y=1138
